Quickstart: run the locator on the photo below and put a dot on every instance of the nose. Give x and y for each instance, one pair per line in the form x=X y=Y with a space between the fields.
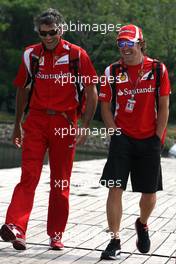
x=48 y=37
x=125 y=47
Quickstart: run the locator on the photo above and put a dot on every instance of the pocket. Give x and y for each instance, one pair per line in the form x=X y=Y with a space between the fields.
x=157 y=137
x=114 y=139
x=156 y=142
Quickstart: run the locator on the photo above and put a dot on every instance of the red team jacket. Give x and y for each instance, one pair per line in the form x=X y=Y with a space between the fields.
x=141 y=123
x=48 y=92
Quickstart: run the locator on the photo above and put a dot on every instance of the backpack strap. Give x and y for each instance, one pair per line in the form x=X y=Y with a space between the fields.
x=156 y=66
x=34 y=70
x=158 y=78
x=115 y=66
x=74 y=59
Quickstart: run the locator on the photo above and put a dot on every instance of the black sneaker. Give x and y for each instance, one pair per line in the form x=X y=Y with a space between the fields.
x=112 y=250
x=143 y=241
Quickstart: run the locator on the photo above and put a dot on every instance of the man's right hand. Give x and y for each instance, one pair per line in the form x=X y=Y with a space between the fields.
x=17 y=136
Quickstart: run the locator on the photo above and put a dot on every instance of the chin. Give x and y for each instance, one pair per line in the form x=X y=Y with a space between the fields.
x=50 y=47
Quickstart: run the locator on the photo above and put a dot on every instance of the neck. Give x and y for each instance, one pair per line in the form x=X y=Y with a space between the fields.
x=135 y=61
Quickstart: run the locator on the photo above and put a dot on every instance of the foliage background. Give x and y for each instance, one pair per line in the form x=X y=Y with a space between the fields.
x=156 y=17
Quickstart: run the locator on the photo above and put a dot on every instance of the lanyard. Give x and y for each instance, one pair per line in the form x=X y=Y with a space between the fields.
x=140 y=74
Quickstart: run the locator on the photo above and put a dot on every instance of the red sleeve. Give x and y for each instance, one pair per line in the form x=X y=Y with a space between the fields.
x=22 y=76
x=87 y=69
x=105 y=88
x=165 y=83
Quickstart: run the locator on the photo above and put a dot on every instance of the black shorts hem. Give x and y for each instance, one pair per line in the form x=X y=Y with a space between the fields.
x=146 y=191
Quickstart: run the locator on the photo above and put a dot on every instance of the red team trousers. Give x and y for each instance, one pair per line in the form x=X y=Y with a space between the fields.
x=41 y=132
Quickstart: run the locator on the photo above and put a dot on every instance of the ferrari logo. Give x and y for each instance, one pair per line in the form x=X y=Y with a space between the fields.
x=122 y=77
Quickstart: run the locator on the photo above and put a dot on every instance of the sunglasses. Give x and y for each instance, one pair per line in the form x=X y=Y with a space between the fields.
x=51 y=33
x=123 y=43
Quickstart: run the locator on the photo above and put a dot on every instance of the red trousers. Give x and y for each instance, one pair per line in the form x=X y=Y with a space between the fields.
x=41 y=132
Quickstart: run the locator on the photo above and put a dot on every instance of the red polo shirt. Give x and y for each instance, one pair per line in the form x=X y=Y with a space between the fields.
x=54 y=89
x=141 y=122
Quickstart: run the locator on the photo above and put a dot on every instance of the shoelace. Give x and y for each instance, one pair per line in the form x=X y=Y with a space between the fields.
x=12 y=226
x=113 y=245
x=145 y=227
x=16 y=228
x=144 y=231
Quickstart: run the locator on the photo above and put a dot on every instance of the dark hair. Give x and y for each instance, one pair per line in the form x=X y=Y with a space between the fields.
x=143 y=45
x=48 y=17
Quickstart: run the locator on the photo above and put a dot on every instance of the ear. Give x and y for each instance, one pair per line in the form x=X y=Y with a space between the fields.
x=61 y=30
x=142 y=43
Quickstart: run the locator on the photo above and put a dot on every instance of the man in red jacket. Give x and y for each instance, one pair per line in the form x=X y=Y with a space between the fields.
x=52 y=111
x=137 y=150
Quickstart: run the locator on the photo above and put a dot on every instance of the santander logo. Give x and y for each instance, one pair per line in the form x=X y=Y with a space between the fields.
x=126 y=91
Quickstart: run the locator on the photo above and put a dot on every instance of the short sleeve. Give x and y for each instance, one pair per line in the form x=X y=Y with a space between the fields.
x=22 y=77
x=105 y=88
x=165 y=83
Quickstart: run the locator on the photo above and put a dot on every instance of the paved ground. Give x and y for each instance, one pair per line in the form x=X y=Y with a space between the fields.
x=87 y=232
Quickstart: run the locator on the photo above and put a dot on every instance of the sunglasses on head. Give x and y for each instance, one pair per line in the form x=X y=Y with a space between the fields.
x=51 y=33
x=128 y=43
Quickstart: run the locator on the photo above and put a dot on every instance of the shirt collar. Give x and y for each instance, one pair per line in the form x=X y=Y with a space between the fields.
x=62 y=46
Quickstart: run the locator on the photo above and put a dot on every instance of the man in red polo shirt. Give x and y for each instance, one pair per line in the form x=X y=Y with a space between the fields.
x=137 y=150
x=52 y=111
